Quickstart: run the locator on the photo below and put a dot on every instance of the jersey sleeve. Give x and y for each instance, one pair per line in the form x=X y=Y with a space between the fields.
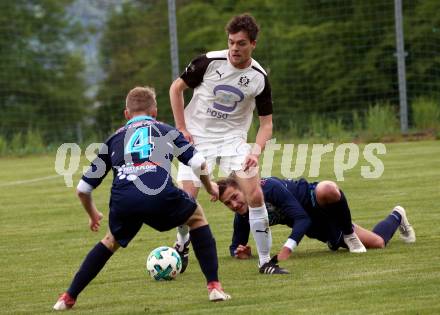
x=194 y=72
x=182 y=149
x=99 y=168
x=281 y=197
x=263 y=101
x=240 y=234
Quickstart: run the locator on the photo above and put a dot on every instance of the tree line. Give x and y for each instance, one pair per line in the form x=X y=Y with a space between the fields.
x=323 y=57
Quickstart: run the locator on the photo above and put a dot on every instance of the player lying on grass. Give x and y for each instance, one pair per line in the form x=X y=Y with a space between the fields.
x=140 y=155
x=318 y=210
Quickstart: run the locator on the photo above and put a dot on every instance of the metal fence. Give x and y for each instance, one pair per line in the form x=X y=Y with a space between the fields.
x=65 y=67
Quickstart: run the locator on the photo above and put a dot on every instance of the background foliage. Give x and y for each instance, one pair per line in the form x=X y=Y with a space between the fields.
x=41 y=83
x=66 y=66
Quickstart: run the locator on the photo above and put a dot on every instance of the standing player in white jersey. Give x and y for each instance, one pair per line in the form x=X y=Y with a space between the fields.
x=228 y=85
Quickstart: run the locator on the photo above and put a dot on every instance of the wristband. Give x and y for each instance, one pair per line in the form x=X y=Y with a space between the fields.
x=290 y=244
x=196 y=163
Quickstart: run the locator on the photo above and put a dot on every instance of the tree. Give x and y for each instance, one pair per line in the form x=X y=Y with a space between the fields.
x=323 y=57
x=41 y=84
x=134 y=52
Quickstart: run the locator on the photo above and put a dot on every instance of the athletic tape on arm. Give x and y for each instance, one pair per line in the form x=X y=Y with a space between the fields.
x=196 y=163
x=84 y=187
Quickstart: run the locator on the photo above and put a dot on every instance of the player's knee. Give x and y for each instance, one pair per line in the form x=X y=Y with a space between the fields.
x=378 y=242
x=328 y=192
x=197 y=219
x=195 y=222
x=110 y=242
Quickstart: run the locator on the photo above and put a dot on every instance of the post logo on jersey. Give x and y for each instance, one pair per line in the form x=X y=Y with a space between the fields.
x=227 y=98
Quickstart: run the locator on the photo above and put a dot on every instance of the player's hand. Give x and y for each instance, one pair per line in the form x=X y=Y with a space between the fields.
x=284 y=253
x=214 y=191
x=95 y=221
x=250 y=162
x=243 y=252
x=187 y=135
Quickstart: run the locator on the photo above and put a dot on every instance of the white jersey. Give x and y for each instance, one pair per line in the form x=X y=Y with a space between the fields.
x=224 y=98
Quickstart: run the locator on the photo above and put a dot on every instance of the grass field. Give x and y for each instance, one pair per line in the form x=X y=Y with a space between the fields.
x=44 y=237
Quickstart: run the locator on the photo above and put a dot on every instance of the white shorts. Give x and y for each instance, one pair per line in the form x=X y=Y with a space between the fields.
x=228 y=156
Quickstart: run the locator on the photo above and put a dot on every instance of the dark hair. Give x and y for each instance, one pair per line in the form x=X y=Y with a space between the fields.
x=244 y=22
x=223 y=184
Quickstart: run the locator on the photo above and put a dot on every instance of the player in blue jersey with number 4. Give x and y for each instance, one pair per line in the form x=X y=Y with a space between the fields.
x=318 y=210
x=140 y=155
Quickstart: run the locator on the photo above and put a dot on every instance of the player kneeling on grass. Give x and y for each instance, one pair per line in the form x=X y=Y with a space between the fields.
x=140 y=155
x=318 y=210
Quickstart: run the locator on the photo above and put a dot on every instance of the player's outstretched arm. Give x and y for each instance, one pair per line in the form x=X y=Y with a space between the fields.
x=94 y=215
x=211 y=187
x=200 y=168
x=178 y=105
x=243 y=252
x=264 y=134
x=284 y=253
x=84 y=193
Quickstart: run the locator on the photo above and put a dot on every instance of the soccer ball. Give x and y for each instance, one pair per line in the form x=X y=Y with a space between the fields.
x=164 y=263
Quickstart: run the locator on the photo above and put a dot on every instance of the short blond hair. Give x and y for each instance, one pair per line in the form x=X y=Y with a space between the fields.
x=141 y=99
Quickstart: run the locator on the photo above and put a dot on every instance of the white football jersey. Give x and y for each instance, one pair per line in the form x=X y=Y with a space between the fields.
x=224 y=97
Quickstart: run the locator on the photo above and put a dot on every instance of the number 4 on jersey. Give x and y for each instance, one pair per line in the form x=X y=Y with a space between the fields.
x=140 y=142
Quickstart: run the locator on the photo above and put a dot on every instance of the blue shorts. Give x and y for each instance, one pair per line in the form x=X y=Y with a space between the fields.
x=130 y=209
x=324 y=226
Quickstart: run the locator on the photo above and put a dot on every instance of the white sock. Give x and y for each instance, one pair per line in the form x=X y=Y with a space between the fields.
x=182 y=235
x=259 y=223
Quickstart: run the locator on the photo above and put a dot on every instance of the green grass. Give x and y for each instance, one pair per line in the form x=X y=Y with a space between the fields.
x=44 y=237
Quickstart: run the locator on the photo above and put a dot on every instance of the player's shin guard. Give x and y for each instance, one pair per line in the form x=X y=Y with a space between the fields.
x=91 y=266
x=203 y=243
x=341 y=212
x=259 y=224
x=387 y=227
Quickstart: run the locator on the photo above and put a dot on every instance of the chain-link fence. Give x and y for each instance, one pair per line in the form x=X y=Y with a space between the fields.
x=66 y=66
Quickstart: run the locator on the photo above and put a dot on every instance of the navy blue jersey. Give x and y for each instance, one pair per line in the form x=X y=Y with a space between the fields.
x=140 y=155
x=285 y=201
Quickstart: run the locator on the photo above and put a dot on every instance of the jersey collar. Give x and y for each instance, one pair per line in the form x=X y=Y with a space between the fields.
x=139 y=118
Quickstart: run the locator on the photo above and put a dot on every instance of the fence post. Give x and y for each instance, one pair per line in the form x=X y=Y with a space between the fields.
x=79 y=133
x=400 y=54
x=174 y=46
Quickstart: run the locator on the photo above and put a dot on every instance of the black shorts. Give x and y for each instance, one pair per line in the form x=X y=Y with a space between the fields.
x=129 y=210
x=324 y=226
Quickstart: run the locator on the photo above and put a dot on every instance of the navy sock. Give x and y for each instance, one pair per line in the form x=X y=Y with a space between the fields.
x=341 y=212
x=205 y=249
x=387 y=227
x=91 y=266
